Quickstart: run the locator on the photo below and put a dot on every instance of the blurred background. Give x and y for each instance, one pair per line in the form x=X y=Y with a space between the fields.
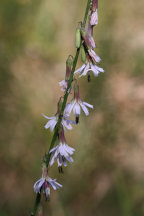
x=107 y=177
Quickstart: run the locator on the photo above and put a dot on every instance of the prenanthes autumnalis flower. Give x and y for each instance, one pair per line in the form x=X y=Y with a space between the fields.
x=66 y=123
x=61 y=152
x=54 y=119
x=69 y=64
x=76 y=104
x=45 y=183
x=87 y=67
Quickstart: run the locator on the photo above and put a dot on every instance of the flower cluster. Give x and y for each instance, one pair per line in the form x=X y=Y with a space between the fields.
x=62 y=153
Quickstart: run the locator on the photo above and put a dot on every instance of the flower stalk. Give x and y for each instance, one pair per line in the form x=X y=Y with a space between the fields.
x=56 y=131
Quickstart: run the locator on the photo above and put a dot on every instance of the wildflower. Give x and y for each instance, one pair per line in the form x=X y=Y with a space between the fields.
x=61 y=152
x=45 y=183
x=54 y=119
x=87 y=67
x=76 y=104
x=69 y=64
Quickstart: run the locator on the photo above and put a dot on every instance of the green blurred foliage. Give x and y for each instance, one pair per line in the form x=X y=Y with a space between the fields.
x=107 y=176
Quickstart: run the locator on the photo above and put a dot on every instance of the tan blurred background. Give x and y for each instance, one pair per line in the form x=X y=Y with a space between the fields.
x=107 y=177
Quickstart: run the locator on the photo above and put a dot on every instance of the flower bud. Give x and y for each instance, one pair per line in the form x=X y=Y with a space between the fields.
x=76 y=91
x=90 y=27
x=61 y=135
x=94 y=5
x=85 y=37
x=69 y=65
x=83 y=54
x=78 y=38
x=88 y=39
x=44 y=171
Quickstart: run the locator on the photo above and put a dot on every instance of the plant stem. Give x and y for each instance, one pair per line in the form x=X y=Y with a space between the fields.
x=38 y=197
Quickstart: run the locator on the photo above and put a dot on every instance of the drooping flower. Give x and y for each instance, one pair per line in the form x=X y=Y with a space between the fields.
x=69 y=64
x=76 y=104
x=45 y=183
x=61 y=152
x=87 y=67
x=66 y=123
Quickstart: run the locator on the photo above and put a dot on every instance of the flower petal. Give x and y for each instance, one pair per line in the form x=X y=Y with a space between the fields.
x=88 y=105
x=69 y=149
x=79 y=70
x=95 y=71
x=53 y=124
x=94 y=56
x=85 y=70
x=99 y=68
x=67 y=124
x=69 y=107
x=37 y=186
x=94 y=18
x=76 y=109
x=47 y=116
x=85 y=109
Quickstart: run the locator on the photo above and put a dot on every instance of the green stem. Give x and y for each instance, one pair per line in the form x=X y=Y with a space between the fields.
x=38 y=197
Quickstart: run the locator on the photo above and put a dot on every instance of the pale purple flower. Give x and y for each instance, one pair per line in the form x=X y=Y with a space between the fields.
x=94 y=18
x=62 y=153
x=53 y=121
x=76 y=106
x=45 y=183
x=94 y=56
x=85 y=68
